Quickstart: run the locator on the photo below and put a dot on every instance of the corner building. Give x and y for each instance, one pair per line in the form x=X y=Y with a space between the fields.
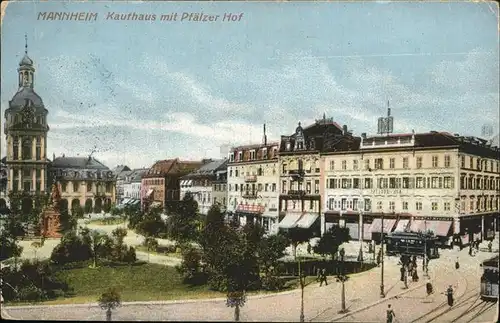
x=428 y=181
x=300 y=196
x=252 y=183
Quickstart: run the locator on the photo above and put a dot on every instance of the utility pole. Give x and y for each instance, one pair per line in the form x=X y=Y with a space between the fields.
x=426 y=273
x=301 y=280
x=382 y=292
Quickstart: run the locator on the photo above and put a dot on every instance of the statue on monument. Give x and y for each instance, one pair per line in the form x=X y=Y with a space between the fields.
x=51 y=216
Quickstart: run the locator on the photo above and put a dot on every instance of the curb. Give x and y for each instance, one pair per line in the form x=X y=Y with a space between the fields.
x=377 y=302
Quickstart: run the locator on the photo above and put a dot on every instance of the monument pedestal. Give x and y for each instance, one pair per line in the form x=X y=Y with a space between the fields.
x=51 y=217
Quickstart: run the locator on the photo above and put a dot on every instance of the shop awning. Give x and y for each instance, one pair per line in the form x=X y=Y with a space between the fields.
x=134 y=202
x=306 y=220
x=439 y=228
x=290 y=220
x=367 y=234
x=402 y=225
x=377 y=225
x=125 y=201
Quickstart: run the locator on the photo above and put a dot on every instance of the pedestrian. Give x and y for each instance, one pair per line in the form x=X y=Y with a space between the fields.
x=428 y=287
x=342 y=254
x=449 y=294
x=309 y=248
x=470 y=250
x=477 y=245
x=402 y=270
x=318 y=274
x=323 y=278
x=379 y=256
x=457 y=264
x=490 y=246
x=390 y=314
x=415 y=276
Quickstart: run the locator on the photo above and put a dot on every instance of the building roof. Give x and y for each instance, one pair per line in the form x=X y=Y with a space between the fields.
x=120 y=168
x=208 y=169
x=26 y=61
x=78 y=162
x=172 y=167
x=20 y=98
x=135 y=175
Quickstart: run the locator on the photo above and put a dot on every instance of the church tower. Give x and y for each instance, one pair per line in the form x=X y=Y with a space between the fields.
x=26 y=133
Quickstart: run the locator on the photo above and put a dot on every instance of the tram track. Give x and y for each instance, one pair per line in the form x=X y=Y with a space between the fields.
x=486 y=307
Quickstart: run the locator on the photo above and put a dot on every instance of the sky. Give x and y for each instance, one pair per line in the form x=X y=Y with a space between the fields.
x=142 y=91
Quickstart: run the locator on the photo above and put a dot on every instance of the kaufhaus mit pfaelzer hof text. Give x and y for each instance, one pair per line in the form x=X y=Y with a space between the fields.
x=134 y=16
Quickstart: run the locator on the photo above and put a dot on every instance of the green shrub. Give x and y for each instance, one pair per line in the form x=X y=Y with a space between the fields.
x=70 y=249
x=273 y=283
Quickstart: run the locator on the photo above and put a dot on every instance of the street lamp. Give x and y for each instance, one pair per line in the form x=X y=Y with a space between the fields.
x=302 y=284
x=426 y=272
x=342 y=278
x=382 y=293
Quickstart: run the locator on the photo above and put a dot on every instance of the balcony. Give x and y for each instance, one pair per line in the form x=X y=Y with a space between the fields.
x=249 y=195
x=296 y=174
x=250 y=178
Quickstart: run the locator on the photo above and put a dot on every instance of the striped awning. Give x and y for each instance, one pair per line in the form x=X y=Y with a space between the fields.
x=306 y=220
x=402 y=225
x=290 y=220
x=377 y=225
x=250 y=208
x=439 y=228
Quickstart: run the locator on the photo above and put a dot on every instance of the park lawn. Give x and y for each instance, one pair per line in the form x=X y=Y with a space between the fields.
x=144 y=282
x=105 y=221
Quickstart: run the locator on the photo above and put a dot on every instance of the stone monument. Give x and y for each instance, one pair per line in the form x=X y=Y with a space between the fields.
x=51 y=216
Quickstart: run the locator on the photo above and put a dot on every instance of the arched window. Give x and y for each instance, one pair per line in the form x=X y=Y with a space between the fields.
x=27 y=148
x=301 y=164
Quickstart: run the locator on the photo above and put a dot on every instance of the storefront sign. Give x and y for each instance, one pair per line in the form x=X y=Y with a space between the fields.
x=388 y=191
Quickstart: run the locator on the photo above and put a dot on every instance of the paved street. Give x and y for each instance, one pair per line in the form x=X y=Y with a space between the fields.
x=321 y=303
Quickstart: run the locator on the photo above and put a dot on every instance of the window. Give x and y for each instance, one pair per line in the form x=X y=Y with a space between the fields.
x=434 y=206
x=368 y=205
x=346 y=183
x=447 y=206
x=435 y=162
x=405 y=205
x=236 y=173
x=355 y=204
x=434 y=182
x=379 y=205
x=368 y=183
x=406 y=182
x=367 y=164
x=343 y=204
x=392 y=182
x=63 y=186
x=331 y=203
x=462 y=161
x=379 y=163
x=472 y=205
x=418 y=206
x=284 y=168
x=344 y=165
x=89 y=186
x=308 y=187
x=392 y=205
x=392 y=163
x=332 y=164
x=355 y=183
x=230 y=173
x=419 y=162
x=316 y=186
x=448 y=182
x=405 y=162
x=109 y=187
x=471 y=162
x=355 y=165
x=75 y=186
x=27 y=186
x=420 y=182
x=447 y=161
x=283 y=187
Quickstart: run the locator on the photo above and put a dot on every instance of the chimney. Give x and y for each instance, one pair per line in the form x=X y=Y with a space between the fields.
x=264 y=138
x=363 y=135
x=53 y=156
x=344 y=129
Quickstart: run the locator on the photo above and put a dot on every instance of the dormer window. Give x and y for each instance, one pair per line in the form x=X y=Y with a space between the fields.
x=288 y=146
x=252 y=155
x=231 y=157
x=240 y=156
x=264 y=153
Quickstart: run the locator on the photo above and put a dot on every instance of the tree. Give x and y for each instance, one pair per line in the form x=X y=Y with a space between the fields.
x=109 y=301
x=9 y=247
x=190 y=267
x=130 y=256
x=271 y=249
x=98 y=241
x=329 y=243
x=119 y=249
x=297 y=236
x=151 y=244
x=77 y=211
x=72 y=248
x=182 y=224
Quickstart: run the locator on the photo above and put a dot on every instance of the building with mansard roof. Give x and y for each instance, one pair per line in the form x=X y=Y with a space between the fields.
x=200 y=183
x=300 y=196
x=252 y=183
x=436 y=181
x=83 y=181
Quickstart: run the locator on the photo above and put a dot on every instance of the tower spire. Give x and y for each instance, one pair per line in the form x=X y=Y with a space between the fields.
x=26 y=43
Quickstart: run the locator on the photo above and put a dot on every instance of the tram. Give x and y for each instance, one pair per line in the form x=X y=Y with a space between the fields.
x=411 y=243
x=489 y=279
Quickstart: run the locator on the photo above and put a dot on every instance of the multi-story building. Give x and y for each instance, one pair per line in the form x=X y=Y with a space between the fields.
x=132 y=184
x=300 y=173
x=26 y=136
x=161 y=183
x=219 y=188
x=252 y=183
x=83 y=181
x=121 y=172
x=200 y=183
x=429 y=181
